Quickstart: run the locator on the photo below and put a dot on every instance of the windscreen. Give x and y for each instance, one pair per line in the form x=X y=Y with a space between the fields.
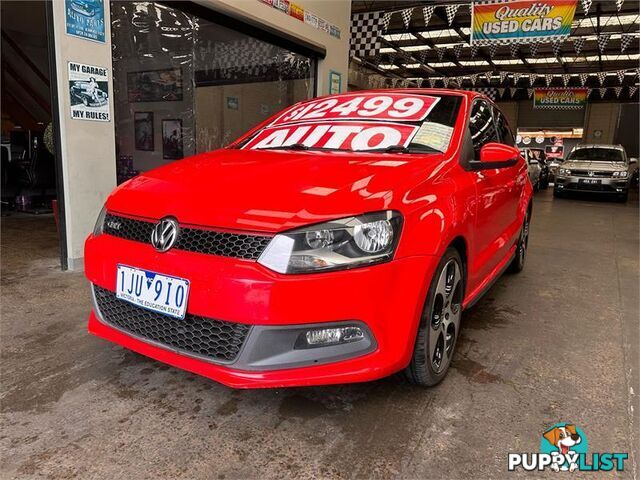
x=364 y=122
x=596 y=155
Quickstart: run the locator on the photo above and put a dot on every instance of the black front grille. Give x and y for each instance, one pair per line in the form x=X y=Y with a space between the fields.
x=585 y=173
x=205 y=337
x=224 y=244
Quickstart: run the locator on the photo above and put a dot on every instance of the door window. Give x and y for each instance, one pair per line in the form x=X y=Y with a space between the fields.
x=482 y=126
x=504 y=131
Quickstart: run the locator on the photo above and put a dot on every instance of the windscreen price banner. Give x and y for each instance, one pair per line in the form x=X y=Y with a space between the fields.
x=335 y=135
x=560 y=98
x=507 y=21
x=89 y=92
x=388 y=107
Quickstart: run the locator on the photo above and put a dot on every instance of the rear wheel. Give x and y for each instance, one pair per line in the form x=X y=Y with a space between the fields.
x=517 y=264
x=439 y=324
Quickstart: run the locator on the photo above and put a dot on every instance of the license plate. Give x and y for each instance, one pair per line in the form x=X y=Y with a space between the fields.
x=153 y=291
x=590 y=181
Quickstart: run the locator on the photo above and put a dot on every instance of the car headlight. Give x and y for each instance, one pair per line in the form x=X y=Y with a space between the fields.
x=339 y=244
x=621 y=174
x=99 y=226
x=564 y=171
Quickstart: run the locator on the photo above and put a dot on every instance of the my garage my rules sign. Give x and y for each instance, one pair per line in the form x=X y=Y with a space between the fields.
x=89 y=92
x=500 y=21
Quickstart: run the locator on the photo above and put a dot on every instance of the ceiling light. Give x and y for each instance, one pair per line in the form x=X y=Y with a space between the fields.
x=395 y=37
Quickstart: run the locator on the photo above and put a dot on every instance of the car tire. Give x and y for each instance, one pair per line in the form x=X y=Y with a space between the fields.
x=623 y=197
x=517 y=264
x=536 y=187
x=557 y=193
x=439 y=323
x=544 y=185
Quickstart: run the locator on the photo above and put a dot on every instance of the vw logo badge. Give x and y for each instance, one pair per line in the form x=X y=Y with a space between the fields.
x=590 y=173
x=165 y=234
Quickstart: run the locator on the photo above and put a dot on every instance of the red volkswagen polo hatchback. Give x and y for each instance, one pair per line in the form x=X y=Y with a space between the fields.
x=339 y=241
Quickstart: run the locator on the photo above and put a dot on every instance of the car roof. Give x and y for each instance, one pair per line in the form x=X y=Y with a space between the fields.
x=598 y=145
x=470 y=95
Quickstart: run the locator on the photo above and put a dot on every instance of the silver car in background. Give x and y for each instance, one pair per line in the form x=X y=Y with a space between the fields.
x=596 y=168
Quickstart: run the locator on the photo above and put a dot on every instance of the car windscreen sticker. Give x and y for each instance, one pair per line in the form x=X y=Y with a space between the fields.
x=367 y=106
x=335 y=135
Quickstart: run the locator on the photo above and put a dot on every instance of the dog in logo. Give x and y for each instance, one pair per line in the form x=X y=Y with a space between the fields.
x=563 y=438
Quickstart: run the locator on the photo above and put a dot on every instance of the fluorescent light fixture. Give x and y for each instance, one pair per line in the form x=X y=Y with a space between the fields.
x=441 y=64
x=415 y=48
x=412 y=65
x=388 y=66
x=395 y=37
x=513 y=61
x=472 y=63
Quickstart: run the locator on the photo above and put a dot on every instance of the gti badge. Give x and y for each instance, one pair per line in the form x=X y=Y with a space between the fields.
x=114 y=225
x=165 y=234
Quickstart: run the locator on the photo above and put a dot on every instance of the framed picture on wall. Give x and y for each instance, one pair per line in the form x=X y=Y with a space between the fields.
x=172 y=148
x=155 y=86
x=143 y=130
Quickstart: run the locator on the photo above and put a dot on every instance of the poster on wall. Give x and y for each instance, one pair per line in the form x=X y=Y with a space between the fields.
x=560 y=98
x=89 y=92
x=554 y=151
x=155 y=86
x=143 y=130
x=520 y=21
x=172 y=148
x=85 y=19
x=335 y=82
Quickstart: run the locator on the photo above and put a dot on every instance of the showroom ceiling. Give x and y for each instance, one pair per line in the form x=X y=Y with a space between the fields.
x=415 y=46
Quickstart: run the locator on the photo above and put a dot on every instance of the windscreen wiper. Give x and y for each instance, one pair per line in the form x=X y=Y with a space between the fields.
x=301 y=146
x=403 y=149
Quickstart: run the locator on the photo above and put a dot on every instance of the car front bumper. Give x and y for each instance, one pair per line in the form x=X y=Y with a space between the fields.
x=580 y=184
x=385 y=300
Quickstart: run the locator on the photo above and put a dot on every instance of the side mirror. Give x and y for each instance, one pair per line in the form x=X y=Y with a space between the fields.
x=633 y=160
x=496 y=155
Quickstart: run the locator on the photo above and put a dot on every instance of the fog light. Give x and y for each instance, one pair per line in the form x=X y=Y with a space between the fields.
x=329 y=336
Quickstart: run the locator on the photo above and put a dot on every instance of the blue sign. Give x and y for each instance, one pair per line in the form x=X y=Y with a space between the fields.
x=85 y=19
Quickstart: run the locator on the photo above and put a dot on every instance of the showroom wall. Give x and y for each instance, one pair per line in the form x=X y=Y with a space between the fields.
x=88 y=148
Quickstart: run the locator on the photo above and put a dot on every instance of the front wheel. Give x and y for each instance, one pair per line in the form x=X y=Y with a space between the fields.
x=439 y=323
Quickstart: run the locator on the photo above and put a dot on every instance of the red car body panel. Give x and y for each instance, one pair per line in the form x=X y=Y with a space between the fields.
x=274 y=191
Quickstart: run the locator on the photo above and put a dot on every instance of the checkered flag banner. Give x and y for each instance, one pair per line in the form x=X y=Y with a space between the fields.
x=473 y=78
x=423 y=56
x=620 y=75
x=365 y=30
x=583 y=78
x=548 y=79
x=602 y=92
x=532 y=79
x=420 y=82
x=601 y=77
x=426 y=13
x=487 y=76
x=603 y=39
x=451 y=12
x=501 y=92
x=432 y=82
x=384 y=21
x=489 y=92
x=586 y=5
x=440 y=52
x=460 y=80
x=530 y=92
x=446 y=80
x=625 y=41
x=514 y=49
x=503 y=76
x=512 y=92
x=533 y=48
x=578 y=43
x=619 y=4
x=457 y=49
x=406 y=16
x=493 y=49
x=516 y=77
x=618 y=90
x=632 y=91
x=474 y=50
x=557 y=47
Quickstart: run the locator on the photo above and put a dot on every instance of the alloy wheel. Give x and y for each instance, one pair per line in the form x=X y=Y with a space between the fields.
x=445 y=316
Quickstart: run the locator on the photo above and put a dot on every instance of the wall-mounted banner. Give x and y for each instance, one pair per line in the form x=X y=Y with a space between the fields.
x=85 y=19
x=508 y=21
x=89 y=92
x=297 y=11
x=560 y=98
